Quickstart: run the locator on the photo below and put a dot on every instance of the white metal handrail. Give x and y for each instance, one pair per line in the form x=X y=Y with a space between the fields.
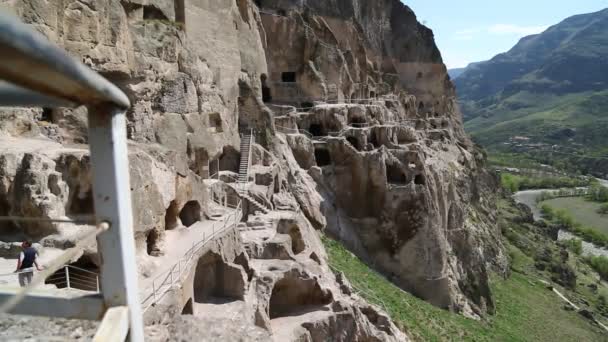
x=36 y=73
x=162 y=283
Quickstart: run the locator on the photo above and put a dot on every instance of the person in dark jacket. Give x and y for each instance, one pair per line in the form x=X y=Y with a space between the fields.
x=27 y=259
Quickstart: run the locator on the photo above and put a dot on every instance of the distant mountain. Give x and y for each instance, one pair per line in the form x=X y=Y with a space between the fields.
x=551 y=89
x=454 y=73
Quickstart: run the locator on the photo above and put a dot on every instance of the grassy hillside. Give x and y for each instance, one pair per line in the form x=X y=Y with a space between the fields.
x=548 y=96
x=525 y=309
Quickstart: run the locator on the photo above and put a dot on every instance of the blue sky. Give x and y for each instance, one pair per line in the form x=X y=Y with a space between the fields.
x=476 y=30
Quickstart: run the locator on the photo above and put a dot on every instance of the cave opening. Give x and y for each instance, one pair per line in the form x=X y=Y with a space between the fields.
x=419 y=179
x=266 y=93
x=47 y=115
x=421 y=106
x=322 y=157
x=372 y=95
x=394 y=174
x=81 y=274
x=288 y=77
x=230 y=159
x=215 y=281
x=258 y=3
x=293 y=296
x=171 y=216
x=357 y=121
x=81 y=202
x=190 y=213
x=153 y=238
x=276 y=184
x=215 y=122
x=153 y=13
x=317 y=130
x=373 y=139
x=307 y=106
x=188 y=308
x=354 y=142
x=297 y=241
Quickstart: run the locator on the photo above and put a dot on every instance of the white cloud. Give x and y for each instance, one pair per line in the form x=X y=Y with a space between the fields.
x=516 y=29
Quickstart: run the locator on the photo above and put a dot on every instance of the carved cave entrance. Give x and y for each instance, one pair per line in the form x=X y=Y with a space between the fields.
x=394 y=174
x=354 y=142
x=82 y=276
x=266 y=93
x=81 y=202
x=190 y=213
x=153 y=238
x=215 y=281
x=317 y=130
x=292 y=296
x=288 y=77
x=322 y=156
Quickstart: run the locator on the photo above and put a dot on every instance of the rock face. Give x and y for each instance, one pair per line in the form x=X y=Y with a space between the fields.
x=356 y=133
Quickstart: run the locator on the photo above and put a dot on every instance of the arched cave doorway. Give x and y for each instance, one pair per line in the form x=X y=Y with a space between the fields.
x=190 y=213
x=292 y=296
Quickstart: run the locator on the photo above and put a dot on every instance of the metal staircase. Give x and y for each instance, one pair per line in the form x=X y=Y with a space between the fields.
x=244 y=168
x=245 y=164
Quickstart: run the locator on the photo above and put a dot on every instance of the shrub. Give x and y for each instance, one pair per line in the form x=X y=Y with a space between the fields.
x=603 y=210
x=547 y=212
x=574 y=245
x=599 y=264
x=598 y=193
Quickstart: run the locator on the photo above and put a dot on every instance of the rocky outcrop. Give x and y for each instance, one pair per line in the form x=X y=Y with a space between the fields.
x=356 y=133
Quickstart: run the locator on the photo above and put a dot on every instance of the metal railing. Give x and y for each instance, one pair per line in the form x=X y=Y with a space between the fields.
x=70 y=277
x=73 y=277
x=165 y=281
x=36 y=73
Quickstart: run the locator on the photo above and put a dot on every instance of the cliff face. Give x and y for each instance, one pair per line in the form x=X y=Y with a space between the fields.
x=401 y=184
x=356 y=127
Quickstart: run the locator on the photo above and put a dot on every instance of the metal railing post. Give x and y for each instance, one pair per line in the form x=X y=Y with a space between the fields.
x=112 y=198
x=67 y=276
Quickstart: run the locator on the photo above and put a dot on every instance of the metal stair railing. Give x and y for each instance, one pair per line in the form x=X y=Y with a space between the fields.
x=165 y=281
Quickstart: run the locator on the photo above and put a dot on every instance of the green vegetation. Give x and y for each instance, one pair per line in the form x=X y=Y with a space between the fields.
x=522 y=306
x=546 y=97
x=603 y=209
x=598 y=193
x=515 y=183
x=573 y=245
x=600 y=265
x=564 y=220
x=577 y=211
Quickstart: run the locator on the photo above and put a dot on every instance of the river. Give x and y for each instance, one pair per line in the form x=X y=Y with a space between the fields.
x=528 y=197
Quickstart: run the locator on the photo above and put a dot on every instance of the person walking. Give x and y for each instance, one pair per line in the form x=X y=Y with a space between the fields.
x=25 y=263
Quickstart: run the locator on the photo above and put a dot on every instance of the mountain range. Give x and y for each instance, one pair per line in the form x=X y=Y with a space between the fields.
x=547 y=96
